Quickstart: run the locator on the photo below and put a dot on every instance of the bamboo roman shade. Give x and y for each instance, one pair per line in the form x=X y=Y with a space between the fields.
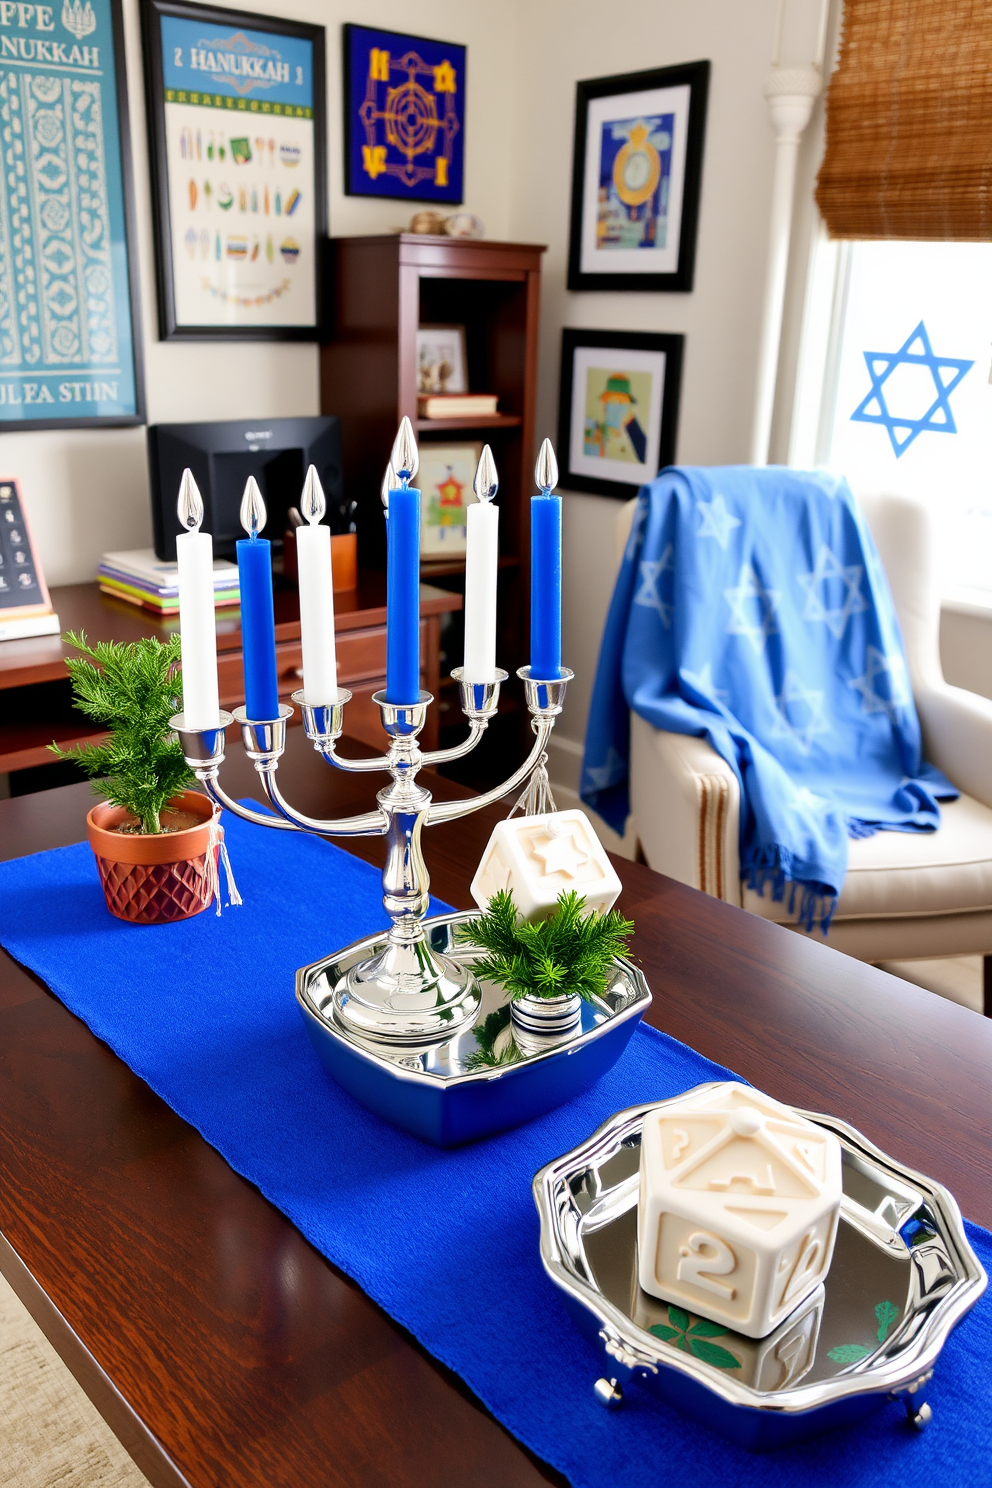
x=909 y=122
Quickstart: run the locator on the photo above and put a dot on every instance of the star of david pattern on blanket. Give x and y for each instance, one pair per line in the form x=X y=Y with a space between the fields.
x=652 y=571
x=601 y=777
x=636 y=530
x=716 y=521
x=703 y=681
x=879 y=666
x=752 y=608
x=817 y=585
x=800 y=713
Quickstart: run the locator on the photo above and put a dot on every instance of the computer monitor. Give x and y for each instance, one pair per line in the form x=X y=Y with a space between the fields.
x=277 y=452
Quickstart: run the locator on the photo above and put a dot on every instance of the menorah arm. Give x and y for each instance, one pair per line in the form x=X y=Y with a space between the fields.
x=443 y=811
x=477 y=727
x=330 y=754
x=369 y=824
x=260 y=818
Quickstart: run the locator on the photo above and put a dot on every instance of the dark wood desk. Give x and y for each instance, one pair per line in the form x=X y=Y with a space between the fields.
x=38 y=712
x=222 y=1349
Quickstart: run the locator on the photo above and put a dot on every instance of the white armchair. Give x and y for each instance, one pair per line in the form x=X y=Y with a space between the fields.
x=907 y=895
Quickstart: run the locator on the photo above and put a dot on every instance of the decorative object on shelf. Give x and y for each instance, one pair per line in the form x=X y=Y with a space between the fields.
x=538 y=856
x=69 y=313
x=446 y=475
x=453 y=225
x=466 y=406
x=25 y=605
x=618 y=408
x=406 y=995
x=738 y=1207
x=156 y=843
x=549 y=966
x=482 y=1080
x=404 y=116
x=236 y=125
x=636 y=173
x=464 y=225
x=428 y=224
x=902 y=1276
x=442 y=363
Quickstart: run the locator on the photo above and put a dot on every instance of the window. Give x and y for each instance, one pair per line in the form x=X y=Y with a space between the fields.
x=894 y=387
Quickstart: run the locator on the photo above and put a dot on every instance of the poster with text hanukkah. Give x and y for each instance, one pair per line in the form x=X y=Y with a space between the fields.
x=636 y=179
x=236 y=116
x=68 y=313
x=404 y=116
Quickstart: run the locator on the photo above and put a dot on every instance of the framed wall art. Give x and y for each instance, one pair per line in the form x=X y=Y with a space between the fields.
x=236 y=122
x=404 y=116
x=619 y=409
x=445 y=480
x=636 y=175
x=69 y=319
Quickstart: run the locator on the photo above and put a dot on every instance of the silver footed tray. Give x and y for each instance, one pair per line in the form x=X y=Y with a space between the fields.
x=480 y=1081
x=902 y=1275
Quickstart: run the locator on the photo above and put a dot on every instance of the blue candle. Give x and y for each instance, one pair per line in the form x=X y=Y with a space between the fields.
x=403 y=597
x=258 y=627
x=545 y=588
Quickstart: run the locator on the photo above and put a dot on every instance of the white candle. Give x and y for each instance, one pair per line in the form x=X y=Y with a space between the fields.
x=481 y=561
x=316 y=581
x=198 y=633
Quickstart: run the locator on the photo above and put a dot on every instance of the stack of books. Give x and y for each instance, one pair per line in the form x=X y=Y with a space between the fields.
x=456 y=405
x=142 y=579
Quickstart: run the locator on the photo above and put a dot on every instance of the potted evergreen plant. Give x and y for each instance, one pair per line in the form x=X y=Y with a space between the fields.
x=548 y=968
x=155 y=841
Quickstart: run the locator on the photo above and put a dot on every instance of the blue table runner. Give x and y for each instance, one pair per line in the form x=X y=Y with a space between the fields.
x=204 y=1012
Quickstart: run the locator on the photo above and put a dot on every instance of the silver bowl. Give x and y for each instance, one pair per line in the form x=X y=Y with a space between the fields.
x=902 y=1275
x=482 y=1080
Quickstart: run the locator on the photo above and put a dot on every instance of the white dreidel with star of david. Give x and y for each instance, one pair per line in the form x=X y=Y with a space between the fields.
x=538 y=857
x=738 y=1206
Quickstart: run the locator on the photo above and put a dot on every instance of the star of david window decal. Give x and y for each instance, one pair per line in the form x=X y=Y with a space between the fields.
x=915 y=351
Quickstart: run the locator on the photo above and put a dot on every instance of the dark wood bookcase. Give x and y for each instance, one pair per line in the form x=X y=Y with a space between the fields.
x=377 y=292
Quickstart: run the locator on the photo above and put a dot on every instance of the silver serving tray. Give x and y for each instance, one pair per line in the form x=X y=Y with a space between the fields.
x=449 y=1094
x=902 y=1275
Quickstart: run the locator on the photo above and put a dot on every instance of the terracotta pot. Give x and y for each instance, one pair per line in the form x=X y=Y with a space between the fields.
x=154 y=878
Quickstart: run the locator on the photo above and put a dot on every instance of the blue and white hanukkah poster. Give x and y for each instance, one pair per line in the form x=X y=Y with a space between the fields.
x=240 y=147
x=67 y=351
x=404 y=116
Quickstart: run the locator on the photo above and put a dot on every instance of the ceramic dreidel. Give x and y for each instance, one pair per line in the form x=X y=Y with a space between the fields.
x=537 y=857
x=738 y=1208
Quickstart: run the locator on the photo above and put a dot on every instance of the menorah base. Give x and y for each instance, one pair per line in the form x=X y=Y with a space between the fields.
x=407 y=995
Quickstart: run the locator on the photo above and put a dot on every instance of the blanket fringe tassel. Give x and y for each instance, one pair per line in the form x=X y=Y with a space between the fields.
x=774 y=866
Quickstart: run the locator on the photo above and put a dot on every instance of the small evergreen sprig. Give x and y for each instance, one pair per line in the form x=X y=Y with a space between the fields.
x=570 y=951
x=133 y=690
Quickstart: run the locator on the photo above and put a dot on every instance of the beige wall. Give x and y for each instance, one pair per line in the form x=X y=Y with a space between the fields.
x=87 y=490
x=566 y=40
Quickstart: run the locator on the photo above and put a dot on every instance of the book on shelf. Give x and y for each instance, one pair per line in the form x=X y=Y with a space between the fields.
x=142 y=579
x=456 y=405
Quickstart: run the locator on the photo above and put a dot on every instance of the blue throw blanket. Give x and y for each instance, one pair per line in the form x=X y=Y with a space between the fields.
x=751 y=609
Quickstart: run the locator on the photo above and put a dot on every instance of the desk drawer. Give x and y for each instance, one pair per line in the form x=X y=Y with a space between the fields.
x=230 y=673
x=361 y=653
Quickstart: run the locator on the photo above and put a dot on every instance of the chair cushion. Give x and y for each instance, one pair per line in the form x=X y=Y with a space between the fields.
x=897 y=875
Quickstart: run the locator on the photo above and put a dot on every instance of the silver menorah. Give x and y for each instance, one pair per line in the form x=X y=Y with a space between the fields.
x=408 y=994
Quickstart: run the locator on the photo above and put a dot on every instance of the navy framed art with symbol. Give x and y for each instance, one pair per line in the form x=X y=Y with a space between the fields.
x=404 y=125
x=69 y=321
